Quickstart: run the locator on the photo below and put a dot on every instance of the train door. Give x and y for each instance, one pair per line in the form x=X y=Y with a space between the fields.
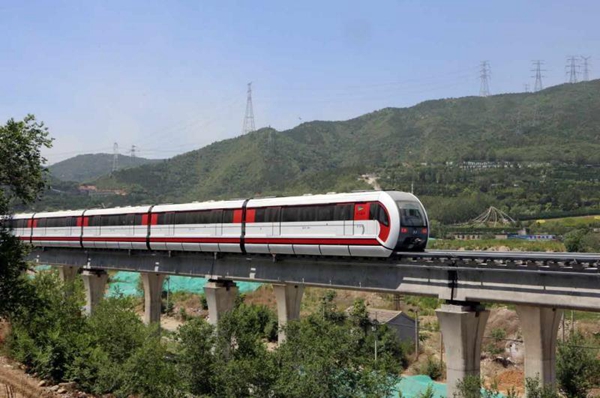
x=345 y=213
x=274 y=217
x=217 y=216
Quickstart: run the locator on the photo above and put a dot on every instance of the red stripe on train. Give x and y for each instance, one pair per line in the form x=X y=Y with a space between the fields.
x=314 y=241
x=273 y=241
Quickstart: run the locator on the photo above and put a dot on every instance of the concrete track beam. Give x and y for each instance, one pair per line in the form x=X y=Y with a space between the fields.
x=289 y=298
x=462 y=328
x=540 y=329
x=95 y=286
x=153 y=284
x=220 y=297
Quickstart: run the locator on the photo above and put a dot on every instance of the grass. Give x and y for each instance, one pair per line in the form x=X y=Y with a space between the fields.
x=487 y=244
x=572 y=222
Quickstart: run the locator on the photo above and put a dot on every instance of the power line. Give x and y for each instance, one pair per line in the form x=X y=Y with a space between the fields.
x=586 y=68
x=249 y=117
x=572 y=69
x=485 y=74
x=537 y=68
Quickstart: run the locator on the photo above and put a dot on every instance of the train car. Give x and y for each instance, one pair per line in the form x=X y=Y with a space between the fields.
x=117 y=228
x=56 y=229
x=202 y=226
x=20 y=225
x=361 y=224
x=364 y=224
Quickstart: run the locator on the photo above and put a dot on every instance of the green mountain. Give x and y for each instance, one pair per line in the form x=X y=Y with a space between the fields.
x=88 y=167
x=530 y=154
x=559 y=124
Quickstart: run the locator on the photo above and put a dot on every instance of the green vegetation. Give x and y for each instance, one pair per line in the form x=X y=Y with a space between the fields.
x=577 y=367
x=328 y=354
x=82 y=168
x=485 y=244
x=543 y=164
x=21 y=181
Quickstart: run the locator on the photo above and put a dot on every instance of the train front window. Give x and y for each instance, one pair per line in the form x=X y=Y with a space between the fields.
x=411 y=214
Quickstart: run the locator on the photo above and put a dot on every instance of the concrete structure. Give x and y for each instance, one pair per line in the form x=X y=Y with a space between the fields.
x=153 y=284
x=535 y=282
x=289 y=298
x=67 y=273
x=540 y=328
x=220 y=296
x=95 y=286
x=462 y=327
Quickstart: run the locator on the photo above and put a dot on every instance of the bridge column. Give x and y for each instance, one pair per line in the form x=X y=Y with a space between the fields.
x=540 y=329
x=220 y=297
x=289 y=298
x=153 y=284
x=95 y=286
x=67 y=273
x=462 y=327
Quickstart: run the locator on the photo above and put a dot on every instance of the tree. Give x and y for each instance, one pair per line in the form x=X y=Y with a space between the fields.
x=21 y=181
x=577 y=368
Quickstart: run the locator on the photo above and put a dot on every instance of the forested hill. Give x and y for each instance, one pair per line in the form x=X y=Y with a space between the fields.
x=88 y=167
x=559 y=124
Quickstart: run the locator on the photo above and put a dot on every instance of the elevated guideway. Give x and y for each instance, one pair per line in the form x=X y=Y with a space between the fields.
x=565 y=280
x=540 y=285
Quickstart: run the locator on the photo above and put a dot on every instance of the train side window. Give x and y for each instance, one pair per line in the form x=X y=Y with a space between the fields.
x=260 y=214
x=216 y=216
x=290 y=214
x=165 y=218
x=272 y=214
x=377 y=212
x=343 y=212
x=42 y=222
x=325 y=213
x=227 y=216
x=307 y=213
x=182 y=218
x=137 y=219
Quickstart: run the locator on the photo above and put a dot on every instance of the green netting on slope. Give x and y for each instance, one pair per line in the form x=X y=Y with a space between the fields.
x=127 y=283
x=411 y=386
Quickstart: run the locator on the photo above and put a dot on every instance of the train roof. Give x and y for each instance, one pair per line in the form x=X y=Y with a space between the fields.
x=367 y=196
x=20 y=216
x=62 y=213
x=117 y=210
x=221 y=204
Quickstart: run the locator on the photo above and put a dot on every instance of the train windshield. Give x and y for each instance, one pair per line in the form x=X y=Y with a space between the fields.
x=411 y=214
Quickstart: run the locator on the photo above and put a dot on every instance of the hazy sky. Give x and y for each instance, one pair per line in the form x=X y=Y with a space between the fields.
x=171 y=76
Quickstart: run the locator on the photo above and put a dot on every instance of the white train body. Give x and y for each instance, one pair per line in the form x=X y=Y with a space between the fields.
x=363 y=224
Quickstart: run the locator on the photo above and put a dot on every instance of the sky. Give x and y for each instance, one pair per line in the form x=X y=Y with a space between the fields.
x=169 y=77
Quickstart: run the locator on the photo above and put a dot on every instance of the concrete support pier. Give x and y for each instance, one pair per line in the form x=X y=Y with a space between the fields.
x=220 y=297
x=540 y=329
x=153 y=284
x=95 y=286
x=67 y=273
x=289 y=298
x=462 y=327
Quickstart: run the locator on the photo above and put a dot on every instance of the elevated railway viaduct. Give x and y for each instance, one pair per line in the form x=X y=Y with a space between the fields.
x=540 y=285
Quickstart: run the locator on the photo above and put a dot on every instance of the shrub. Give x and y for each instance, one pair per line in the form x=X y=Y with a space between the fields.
x=432 y=368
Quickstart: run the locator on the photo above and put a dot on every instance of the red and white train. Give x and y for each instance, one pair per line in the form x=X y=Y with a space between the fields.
x=362 y=224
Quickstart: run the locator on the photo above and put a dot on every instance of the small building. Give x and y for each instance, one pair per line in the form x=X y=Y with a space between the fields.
x=402 y=324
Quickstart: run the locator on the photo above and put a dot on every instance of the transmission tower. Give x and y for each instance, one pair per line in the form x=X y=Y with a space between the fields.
x=115 y=164
x=572 y=69
x=485 y=75
x=132 y=151
x=526 y=87
x=537 y=69
x=586 y=68
x=249 y=117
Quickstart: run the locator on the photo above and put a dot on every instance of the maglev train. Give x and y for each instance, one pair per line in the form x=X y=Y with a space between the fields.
x=360 y=224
